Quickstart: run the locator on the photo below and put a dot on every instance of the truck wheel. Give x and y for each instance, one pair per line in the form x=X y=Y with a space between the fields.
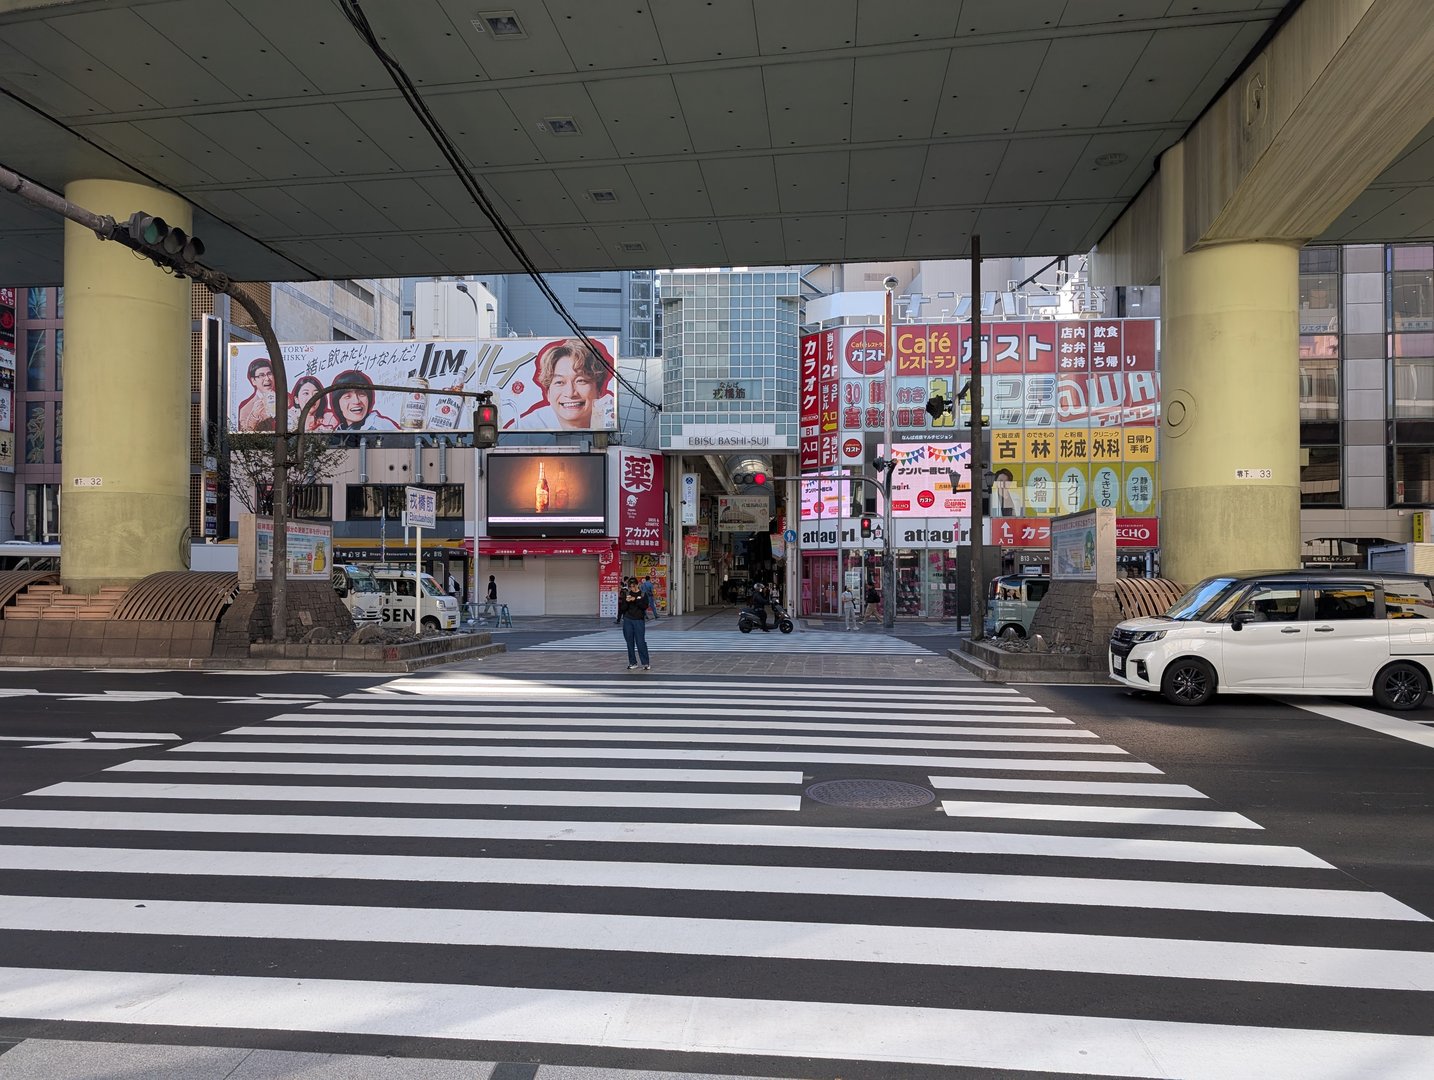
x=430 y=624
x=1401 y=686
x=1188 y=681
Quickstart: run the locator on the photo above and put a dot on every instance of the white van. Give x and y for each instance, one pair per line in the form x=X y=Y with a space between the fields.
x=439 y=610
x=359 y=592
x=1286 y=632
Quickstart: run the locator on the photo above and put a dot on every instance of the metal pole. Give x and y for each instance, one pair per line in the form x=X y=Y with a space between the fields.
x=106 y=228
x=888 y=560
x=978 y=454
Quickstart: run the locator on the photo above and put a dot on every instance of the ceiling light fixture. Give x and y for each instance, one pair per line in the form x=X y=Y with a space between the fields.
x=503 y=25
x=602 y=195
x=633 y=246
x=1115 y=157
x=561 y=125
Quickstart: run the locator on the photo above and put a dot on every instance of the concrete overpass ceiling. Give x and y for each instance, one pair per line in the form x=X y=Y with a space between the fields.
x=663 y=133
x=1398 y=205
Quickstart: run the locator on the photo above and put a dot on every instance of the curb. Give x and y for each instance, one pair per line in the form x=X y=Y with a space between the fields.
x=990 y=673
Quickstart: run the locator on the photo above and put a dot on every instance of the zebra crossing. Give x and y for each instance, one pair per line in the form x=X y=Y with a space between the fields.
x=546 y=862
x=832 y=642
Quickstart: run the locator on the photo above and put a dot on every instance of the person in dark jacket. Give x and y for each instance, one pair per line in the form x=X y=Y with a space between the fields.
x=632 y=609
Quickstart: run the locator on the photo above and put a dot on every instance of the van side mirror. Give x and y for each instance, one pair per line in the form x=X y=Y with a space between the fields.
x=1241 y=617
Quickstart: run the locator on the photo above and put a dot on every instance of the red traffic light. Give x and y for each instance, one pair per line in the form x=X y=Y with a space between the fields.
x=759 y=478
x=485 y=424
x=866 y=528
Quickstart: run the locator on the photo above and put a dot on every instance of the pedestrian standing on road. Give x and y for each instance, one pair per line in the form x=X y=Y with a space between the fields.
x=490 y=606
x=848 y=606
x=647 y=590
x=633 y=607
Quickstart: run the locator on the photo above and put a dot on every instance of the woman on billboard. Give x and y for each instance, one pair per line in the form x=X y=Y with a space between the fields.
x=577 y=390
x=352 y=402
x=320 y=417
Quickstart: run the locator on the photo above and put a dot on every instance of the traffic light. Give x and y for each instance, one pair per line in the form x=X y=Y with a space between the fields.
x=156 y=236
x=758 y=479
x=936 y=406
x=485 y=423
x=866 y=528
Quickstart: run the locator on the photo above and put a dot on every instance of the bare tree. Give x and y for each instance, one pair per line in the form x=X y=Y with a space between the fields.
x=248 y=467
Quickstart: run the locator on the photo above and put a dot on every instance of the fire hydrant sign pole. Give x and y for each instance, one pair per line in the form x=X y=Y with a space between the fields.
x=419 y=513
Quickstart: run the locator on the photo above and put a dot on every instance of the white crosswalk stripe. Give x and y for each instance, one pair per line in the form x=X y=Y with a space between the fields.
x=545 y=862
x=733 y=641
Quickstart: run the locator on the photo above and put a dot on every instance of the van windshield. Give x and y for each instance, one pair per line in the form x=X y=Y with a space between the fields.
x=359 y=581
x=430 y=587
x=1194 y=603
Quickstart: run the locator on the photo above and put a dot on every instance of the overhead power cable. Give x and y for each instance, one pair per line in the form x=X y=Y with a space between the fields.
x=354 y=13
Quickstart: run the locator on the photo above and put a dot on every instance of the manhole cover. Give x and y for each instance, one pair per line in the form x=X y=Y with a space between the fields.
x=870 y=794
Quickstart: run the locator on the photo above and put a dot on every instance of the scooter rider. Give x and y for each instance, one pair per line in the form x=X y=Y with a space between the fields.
x=758 y=602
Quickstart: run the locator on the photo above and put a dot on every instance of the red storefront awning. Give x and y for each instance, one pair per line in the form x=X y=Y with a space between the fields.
x=543 y=547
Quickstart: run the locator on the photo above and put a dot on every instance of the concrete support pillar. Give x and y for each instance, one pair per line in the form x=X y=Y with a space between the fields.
x=1230 y=384
x=124 y=510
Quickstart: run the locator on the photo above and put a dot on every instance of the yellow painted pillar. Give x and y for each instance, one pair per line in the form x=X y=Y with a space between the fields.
x=1230 y=385
x=124 y=503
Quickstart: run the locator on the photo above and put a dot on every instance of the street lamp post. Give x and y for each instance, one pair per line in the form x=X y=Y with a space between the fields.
x=888 y=561
x=462 y=287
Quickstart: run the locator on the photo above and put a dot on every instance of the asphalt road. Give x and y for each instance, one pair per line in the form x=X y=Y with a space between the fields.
x=1361 y=799
x=542 y=862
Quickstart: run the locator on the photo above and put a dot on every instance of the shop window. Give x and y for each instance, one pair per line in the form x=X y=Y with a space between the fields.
x=37 y=357
x=36 y=421
x=1320 y=476
x=1319 y=260
x=59 y=360
x=37 y=304
x=1319 y=303
x=1319 y=389
x=1413 y=388
x=1411 y=300
x=370 y=502
x=307 y=502
x=1413 y=475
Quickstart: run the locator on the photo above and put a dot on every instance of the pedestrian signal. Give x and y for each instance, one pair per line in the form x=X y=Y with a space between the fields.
x=485 y=424
x=866 y=528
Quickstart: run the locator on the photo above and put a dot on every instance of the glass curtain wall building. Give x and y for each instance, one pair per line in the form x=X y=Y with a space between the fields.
x=1366 y=316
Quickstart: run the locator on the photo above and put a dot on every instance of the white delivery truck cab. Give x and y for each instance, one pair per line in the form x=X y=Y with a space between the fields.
x=438 y=610
x=359 y=592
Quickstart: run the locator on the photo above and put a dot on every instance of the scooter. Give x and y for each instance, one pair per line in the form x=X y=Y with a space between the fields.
x=749 y=620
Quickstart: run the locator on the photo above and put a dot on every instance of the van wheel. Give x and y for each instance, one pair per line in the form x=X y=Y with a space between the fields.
x=1188 y=681
x=1012 y=632
x=1401 y=686
x=430 y=624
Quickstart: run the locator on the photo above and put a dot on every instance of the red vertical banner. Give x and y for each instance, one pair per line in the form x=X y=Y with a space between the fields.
x=1106 y=351
x=1074 y=350
x=1042 y=347
x=1138 y=345
x=640 y=494
x=809 y=400
x=829 y=386
x=1006 y=341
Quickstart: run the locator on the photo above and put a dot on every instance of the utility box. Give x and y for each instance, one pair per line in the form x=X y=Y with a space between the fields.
x=1403 y=558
